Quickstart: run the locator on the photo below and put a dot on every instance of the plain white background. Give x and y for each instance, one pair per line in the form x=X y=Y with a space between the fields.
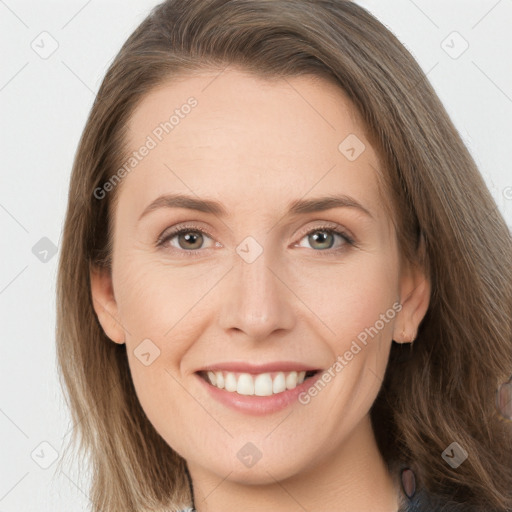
x=44 y=102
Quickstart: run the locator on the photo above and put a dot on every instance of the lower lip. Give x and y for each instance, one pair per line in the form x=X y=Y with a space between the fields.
x=259 y=405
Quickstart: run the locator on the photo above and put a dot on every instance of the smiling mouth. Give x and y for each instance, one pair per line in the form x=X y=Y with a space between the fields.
x=260 y=384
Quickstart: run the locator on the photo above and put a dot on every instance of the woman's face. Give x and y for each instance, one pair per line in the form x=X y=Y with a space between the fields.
x=288 y=262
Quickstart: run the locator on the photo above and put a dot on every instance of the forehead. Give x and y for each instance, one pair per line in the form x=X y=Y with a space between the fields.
x=230 y=135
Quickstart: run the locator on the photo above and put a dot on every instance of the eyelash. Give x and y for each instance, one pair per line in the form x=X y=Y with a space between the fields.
x=164 y=238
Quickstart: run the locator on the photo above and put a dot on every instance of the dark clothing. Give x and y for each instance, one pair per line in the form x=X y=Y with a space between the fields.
x=415 y=499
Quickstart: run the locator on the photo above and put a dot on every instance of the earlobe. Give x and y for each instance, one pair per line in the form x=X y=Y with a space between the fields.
x=105 y=305
x=415 y=299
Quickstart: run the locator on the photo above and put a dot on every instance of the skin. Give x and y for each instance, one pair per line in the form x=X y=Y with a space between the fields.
x=255 y=146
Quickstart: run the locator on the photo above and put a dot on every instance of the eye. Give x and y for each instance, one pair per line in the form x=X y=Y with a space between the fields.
x=324 y=237
x=183 y=239
x=188 y=240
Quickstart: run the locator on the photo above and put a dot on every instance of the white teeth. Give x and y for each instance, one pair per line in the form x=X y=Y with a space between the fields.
x=291 y=380
x=245 y=385
x=279 y=383
x=230 y=382
x=220 y=380
x=260 y=385
x=263 y=384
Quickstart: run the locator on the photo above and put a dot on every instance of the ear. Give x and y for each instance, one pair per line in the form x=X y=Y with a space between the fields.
x=105 y=305
x=415 y=289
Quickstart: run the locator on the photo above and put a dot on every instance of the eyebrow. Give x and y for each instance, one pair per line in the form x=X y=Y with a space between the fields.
x=297 y=207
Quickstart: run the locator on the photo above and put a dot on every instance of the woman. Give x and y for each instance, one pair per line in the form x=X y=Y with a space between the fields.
x=214 y=356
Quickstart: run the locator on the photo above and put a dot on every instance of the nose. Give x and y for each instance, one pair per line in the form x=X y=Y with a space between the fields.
x=256 y=300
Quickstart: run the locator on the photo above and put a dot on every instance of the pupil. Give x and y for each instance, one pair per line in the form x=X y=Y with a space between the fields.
x=320 y=236
x=190 y=238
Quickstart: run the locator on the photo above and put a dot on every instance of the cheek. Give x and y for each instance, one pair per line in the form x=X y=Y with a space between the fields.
x=353 y=299
x=358 y=303
x=355 y=307
x=336 y=304
x=340 y=303
x=165 y=402
x=157 y=300
x=162 y=310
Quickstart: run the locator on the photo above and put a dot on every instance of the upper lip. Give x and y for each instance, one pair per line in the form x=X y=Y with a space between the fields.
x=275 y=366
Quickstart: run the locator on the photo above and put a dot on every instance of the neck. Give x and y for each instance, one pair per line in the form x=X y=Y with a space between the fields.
x=352 y=477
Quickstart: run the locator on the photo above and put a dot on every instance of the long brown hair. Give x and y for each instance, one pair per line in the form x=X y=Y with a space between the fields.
x=442 y=390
